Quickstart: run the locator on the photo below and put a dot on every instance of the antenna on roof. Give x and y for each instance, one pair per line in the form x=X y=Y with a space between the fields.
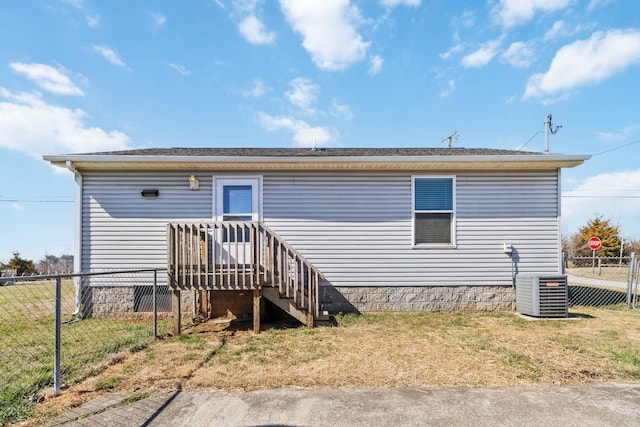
x=453 y=136
x=548 y=127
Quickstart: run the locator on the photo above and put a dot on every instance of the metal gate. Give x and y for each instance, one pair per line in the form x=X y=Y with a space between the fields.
x=604 y=282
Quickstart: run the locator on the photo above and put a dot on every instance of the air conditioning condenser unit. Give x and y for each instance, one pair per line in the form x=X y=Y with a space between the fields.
x=542 y=296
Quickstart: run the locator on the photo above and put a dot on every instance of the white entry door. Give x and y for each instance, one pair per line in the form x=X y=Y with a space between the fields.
x=236 y=199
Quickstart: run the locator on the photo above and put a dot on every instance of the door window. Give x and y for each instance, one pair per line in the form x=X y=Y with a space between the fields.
x=237 y=199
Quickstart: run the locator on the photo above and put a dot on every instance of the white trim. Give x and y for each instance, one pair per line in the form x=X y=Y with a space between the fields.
x=454 y=228
x=77 y=257
x=559 y=202
x=254 y=180
x=476 y=162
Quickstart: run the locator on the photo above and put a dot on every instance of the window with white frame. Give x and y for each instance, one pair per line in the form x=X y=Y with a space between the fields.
x=433 y=210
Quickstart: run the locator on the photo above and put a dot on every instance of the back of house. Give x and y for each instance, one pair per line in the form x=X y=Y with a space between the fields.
x=384 y=229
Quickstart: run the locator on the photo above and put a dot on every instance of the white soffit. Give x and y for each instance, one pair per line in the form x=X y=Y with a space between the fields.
x=474 y=162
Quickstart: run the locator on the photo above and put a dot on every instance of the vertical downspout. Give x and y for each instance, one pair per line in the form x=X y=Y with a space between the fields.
x=77 y=256
x=560 y=252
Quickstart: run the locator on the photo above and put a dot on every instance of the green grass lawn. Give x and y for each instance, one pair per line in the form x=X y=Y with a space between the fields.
x=27 y=343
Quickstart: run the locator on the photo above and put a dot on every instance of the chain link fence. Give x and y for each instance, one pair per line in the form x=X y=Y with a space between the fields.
x=58 y=330
x=604 y=282
x=634 y=278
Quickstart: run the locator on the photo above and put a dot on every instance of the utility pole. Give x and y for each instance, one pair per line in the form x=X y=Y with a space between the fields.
x=548 y=128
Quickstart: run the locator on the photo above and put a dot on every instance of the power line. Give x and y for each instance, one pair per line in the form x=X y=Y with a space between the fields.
x=35 y=201
x=600 y=197
x=617 y=148
x=523 y=145
x=605 y=191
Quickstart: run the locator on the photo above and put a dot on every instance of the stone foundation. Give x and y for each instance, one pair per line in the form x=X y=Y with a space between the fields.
x=119 y=301
x=417 y=298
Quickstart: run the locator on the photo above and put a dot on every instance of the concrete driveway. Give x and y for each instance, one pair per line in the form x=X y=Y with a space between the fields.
x=584 y=405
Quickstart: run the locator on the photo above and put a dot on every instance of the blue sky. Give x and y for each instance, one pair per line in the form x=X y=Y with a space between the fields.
x=88 y=75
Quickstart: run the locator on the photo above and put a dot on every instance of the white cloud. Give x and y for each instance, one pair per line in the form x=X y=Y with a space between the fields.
x=328 y=29
x=558 y=28
x=17 y=206
x=303 y=95
x=562 y=29
x=258 y=89
x=254 y=31
x=483 y=55
x=587 y=61
x=375 y=65
x=219 y=3
x=452 y=51
x=519 y=54
x=93 y=21
x=109 y=54
x=613 y=195
x=468 y=18
x=510 y=13
x=341 y=110
x=594 y=4
x=250 y=26
x=394 y=3
x=621 y=135
x=48 y=78
x=304 y=135
x=245 y=6
x=78 y=4
x=451 y=85
x=29 y=124
x=158 y=20
x=609 y=136
x=179 y=68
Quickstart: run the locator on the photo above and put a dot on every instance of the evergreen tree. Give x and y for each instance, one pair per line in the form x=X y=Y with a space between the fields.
x=598 y=227
x=23 y=266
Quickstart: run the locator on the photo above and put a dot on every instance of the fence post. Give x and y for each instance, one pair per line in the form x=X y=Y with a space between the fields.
x=599 y=266
x=56 y=351
x=155 y=304
x=632 y=267
x=634 y=292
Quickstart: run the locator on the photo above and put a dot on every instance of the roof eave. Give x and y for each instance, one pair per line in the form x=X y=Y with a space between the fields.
x=125 y=162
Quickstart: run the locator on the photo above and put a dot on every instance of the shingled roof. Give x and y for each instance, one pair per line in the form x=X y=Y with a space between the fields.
x=309 y=152
x=251 y=159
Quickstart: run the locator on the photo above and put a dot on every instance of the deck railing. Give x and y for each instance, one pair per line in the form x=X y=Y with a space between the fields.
x=239 y=255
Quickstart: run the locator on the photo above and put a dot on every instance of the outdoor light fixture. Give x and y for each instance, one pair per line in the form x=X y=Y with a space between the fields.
x=194 y=184
x=150 y=193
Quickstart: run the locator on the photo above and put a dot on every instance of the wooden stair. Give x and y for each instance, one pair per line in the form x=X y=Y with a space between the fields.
x=200 y=257
x=288 y=305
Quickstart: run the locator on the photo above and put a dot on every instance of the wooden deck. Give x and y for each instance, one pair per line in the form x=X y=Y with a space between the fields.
x=243 y=255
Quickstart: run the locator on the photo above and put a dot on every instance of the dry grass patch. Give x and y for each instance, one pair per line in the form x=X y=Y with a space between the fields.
x=609 y=272
x=383 y=350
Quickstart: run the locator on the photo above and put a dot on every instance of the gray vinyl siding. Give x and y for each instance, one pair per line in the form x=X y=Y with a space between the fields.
x=355 y=227
x=122 y=229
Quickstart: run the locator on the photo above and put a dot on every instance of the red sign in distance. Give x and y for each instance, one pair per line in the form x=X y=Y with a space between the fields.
x=595 y=243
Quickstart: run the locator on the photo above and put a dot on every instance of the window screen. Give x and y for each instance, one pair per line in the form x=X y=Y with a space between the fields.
x=433 y=209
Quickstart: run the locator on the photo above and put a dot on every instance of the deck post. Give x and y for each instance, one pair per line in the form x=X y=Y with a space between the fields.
x=257 y=300
x=175 y=308
x=310 y=319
